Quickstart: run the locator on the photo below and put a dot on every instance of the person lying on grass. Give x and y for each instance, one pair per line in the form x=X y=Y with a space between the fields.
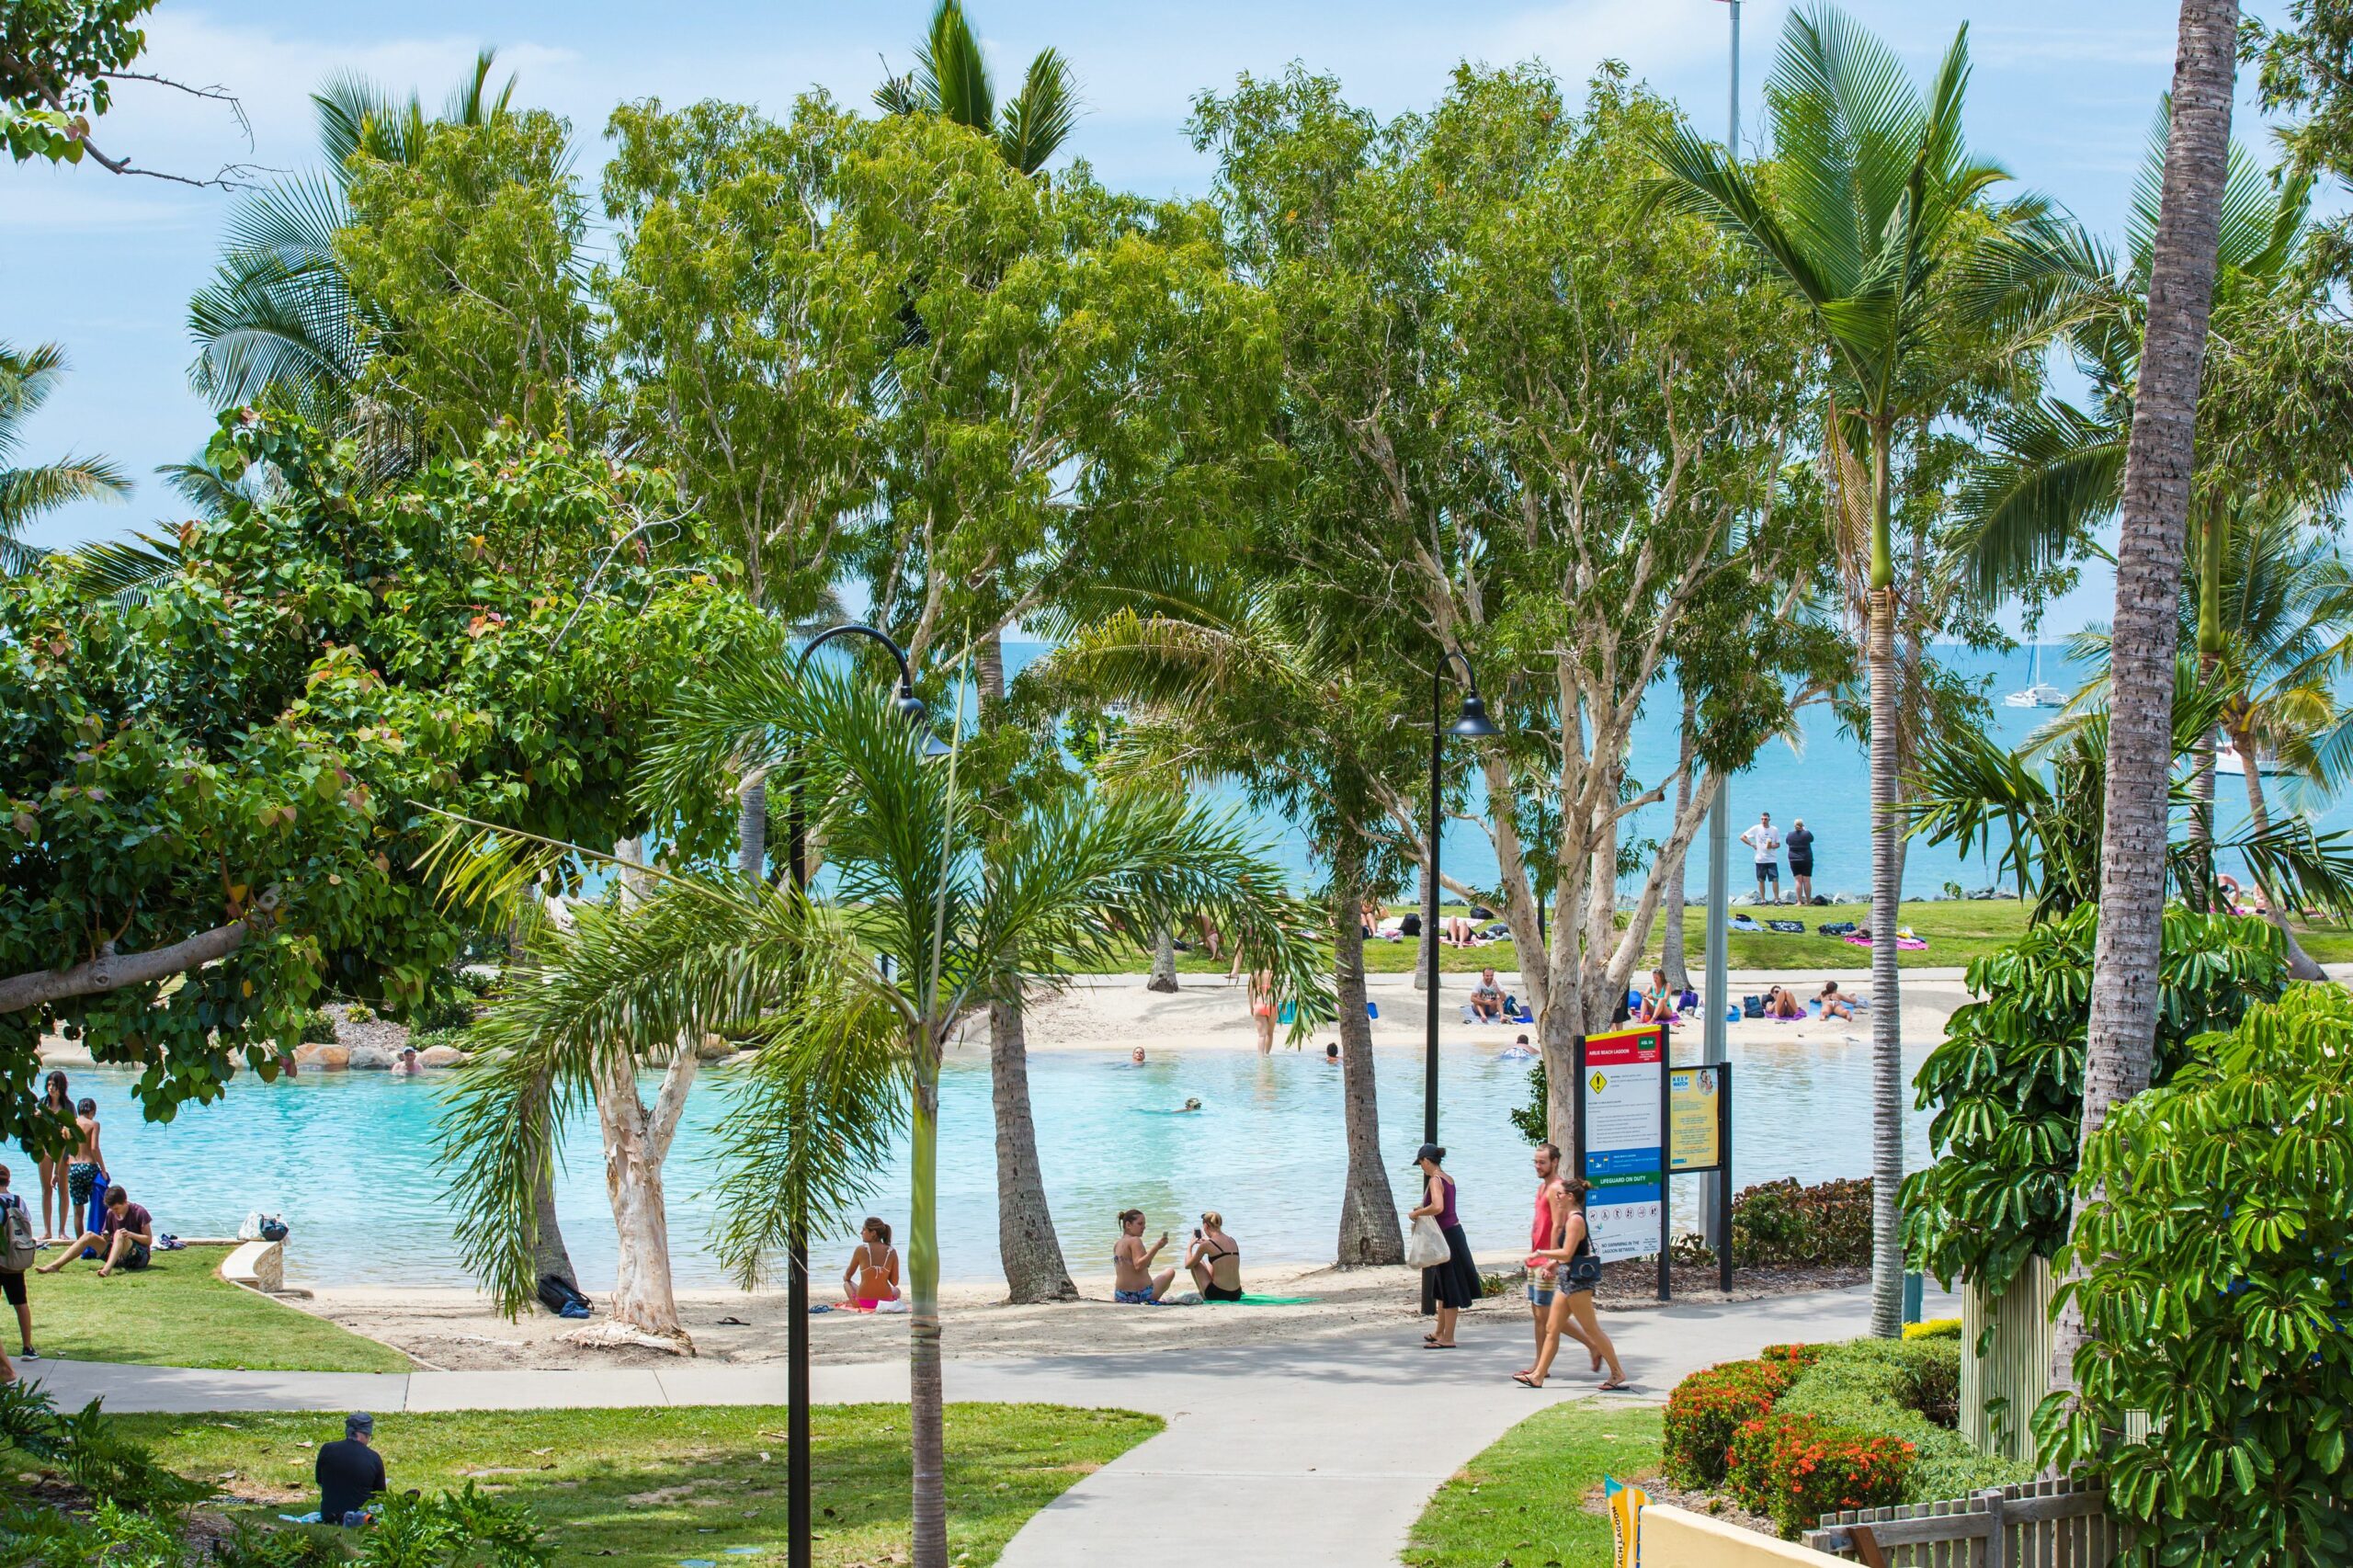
x=126 y=1241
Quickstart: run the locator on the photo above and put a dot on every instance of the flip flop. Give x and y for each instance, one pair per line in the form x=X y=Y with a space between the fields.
x=1430 y=1345
x=1523 y=1379
x=1614 y=1385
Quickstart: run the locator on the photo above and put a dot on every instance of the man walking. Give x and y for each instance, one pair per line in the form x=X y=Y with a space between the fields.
x=19 y=1252
x=1543 y=1232
x=1765 y=841
x=1801 y=860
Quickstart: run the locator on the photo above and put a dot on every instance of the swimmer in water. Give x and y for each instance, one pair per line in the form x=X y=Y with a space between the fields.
x=1136 y=1057
x=1188 y=1106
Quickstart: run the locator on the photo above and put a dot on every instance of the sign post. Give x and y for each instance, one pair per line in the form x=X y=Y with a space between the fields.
x=1640 y=1121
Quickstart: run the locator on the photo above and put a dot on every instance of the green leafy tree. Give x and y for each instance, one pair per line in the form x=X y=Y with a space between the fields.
x=215 y=794
x=28 y=377
x=1492 y=410
x=2007 y=1082
x=278 y=323
x=59 y=63
x=1860 y=213
x=951 y=79
x=851 y=1047
x=2211 y=1252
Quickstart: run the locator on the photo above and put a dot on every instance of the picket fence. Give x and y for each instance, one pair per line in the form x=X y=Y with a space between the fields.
x=2040 y=1523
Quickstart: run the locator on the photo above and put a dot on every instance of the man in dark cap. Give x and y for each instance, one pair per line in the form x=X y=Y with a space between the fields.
x=349 y=1472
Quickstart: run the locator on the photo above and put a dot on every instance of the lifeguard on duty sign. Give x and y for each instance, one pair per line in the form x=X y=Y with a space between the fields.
x=1625 y=1140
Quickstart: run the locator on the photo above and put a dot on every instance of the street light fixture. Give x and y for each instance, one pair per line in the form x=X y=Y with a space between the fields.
x=1472 y=724
x=799 y=1513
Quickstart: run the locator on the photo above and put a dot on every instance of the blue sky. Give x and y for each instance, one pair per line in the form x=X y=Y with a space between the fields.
x=2063 y=95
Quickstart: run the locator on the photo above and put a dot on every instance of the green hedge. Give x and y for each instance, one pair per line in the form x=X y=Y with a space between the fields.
x=1909 y=1389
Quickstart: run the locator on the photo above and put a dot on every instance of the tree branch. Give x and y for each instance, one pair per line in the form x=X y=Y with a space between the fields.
x=114 y=971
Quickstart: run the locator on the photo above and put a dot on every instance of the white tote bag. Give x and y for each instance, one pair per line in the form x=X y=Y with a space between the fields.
x=1426 y=1244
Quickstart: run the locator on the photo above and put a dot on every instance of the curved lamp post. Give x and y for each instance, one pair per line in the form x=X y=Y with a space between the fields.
x=797 y=1508
x=1472 y=724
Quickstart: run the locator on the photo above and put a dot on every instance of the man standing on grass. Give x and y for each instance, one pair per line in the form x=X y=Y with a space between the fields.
x=350 y=1473
x=127 y=1241
x=1766 y=842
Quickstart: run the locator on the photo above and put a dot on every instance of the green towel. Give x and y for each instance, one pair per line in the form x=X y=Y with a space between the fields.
x=1257 y=1300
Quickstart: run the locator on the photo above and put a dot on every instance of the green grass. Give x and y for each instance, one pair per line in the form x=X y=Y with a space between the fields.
x=1525 y=1500
x=644 y=1488
x=1956 y=930
x=178 y=1311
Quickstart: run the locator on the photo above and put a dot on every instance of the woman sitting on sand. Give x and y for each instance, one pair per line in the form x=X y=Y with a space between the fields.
x=1833 y=1004
x=1781 y=1002
x=872 y=1276
x=1214 y=1260
x=1658 y=1001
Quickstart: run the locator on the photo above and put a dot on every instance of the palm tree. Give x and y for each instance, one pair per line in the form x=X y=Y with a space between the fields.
x=28 y=377
x=279 y=319
x=850 y=992
x=951 y=79
x=1860 y=216
x=2159 y=469
x=1241 y=680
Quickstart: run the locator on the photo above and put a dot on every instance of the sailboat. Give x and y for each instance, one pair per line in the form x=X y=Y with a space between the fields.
x=2038 y=693
x=2228 y=760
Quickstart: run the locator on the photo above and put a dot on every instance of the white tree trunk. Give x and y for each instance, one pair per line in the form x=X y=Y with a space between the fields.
x=1369 y=1231
x=1164 y=959
x=636 y=1141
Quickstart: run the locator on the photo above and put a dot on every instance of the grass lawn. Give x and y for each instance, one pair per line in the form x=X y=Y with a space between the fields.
x=178 y=1311
x=645 y=1488
x=1525 y=1500
x=1956 y=930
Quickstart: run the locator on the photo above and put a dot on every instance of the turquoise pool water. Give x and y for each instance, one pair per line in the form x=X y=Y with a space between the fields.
x=351 y=1160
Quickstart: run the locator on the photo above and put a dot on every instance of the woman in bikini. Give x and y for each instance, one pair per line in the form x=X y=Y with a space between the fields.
x=1573 y=1314
x=1262 y=1008
x=1214 y=1260
x=1835 y=1005
x=57 y=1103
x=1783 y=1003
x=872 y=1276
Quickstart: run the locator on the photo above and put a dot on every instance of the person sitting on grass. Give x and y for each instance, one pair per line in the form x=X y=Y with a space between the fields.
x=350 y=1473
x=1834 y=1006
x=1487 y=999
x=127 y=1241
x=1133 y=1281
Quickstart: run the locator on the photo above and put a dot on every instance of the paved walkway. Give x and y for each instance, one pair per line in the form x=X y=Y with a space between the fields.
x=1315 y=1455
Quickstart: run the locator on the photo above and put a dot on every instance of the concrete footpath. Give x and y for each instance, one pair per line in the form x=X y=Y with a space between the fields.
x=1318 y=1454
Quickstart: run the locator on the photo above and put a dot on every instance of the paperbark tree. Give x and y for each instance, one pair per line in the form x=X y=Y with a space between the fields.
x=2158 y=468
x=1493 y=374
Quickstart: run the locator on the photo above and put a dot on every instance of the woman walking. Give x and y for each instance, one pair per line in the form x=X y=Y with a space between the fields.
x=1573 y=1311
x=56 y=1102
x=1262 y=1006
x=1456 y=1281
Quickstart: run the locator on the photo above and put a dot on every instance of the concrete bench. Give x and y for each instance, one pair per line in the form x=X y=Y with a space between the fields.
x=257 y=1266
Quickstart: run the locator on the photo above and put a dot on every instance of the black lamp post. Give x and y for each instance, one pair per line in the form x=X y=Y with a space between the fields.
x=1472 y=724
x=797 y=1485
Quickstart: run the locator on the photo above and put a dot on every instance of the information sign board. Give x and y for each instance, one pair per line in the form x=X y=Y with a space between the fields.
x=1694 y=1124
x=1624 y=1140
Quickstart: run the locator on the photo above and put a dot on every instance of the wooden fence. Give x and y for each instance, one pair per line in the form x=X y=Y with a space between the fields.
x=2000 y=1388
x=2041 y=1524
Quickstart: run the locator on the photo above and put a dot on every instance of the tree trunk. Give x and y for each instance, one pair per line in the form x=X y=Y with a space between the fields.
x=636 y=1141
x=926 y=1397
x=548 y=1253
x=2201 y=813
x=1026 y=1242
x=1671 y=944
x=1368 y=1231
x=1164 y=959
x=1026 y=1245
x=2301 y=964
x=2159 y=464
x=1887 y=1005
x=752 y=826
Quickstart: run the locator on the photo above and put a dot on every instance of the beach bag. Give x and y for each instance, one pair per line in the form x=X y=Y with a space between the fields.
x=1426 y=1244
x=560 y=1297
x=18 y=1250
x=261 y=1227
x=1752 y=1006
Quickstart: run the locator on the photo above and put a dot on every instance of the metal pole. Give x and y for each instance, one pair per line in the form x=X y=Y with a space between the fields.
x=800 y=1521
x=1429 y=954
x=1715 y=1218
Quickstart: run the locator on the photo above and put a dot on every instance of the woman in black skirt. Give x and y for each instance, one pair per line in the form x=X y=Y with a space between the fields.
x=1456 y=1281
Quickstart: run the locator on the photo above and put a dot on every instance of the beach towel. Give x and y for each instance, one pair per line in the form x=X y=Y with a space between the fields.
x=1793 y=928
x=1744 y=923
x=1251 y=1299
x=1835 y=928
x=1904 y=943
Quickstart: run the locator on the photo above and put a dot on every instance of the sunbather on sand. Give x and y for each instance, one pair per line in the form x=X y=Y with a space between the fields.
x=1835 y=1005
x=1781 y=1002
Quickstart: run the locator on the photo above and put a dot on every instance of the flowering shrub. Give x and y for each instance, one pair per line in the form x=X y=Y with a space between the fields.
x=1794 y=1468
x=1709 y=1405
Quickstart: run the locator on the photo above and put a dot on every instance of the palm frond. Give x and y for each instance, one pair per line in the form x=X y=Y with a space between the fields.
x=2049 y=476
x=952 y=75
x=27 y=493
x=126 y=571
x=1039 y=119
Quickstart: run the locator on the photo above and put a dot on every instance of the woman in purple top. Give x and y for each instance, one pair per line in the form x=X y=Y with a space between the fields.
x=1456 y=1281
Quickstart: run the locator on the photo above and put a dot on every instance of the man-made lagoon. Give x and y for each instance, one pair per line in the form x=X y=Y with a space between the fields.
x=352 y=1161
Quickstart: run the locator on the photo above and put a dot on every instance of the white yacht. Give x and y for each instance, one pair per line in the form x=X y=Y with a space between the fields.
x=2038 y=693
